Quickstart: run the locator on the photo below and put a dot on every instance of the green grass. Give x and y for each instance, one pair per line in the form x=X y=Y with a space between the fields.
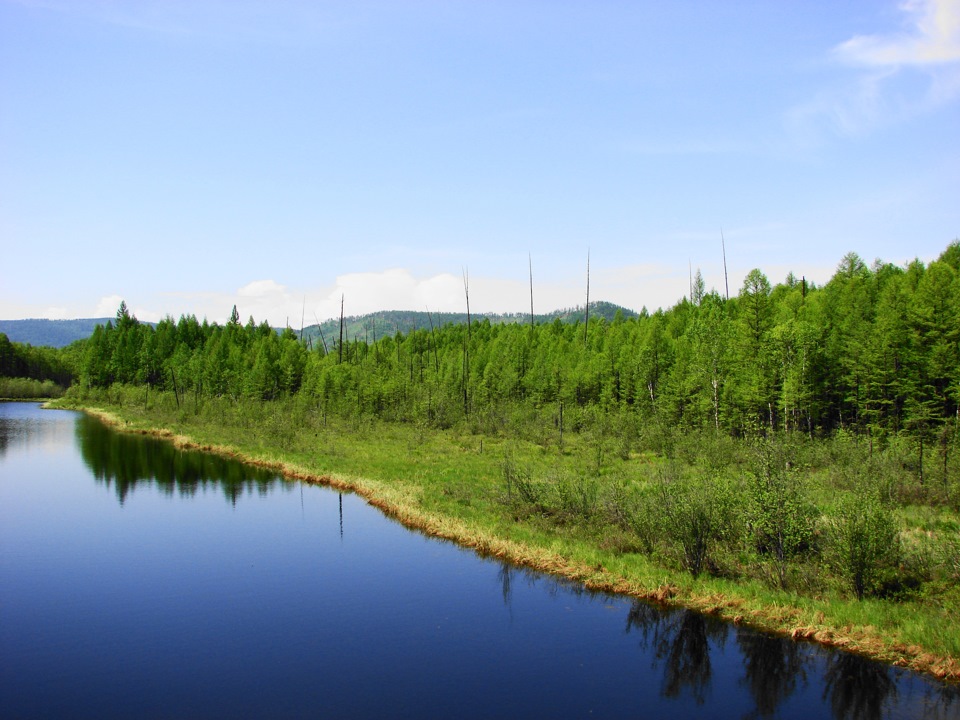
x=453 y=483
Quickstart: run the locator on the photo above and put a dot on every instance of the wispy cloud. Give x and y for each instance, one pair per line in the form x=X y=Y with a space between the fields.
x=932 y=38
x=895 y=76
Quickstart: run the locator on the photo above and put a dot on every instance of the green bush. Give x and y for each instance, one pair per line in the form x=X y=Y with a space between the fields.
x=27 y=388
x=578 y=495
x=865 y=542
x=696 y=513
x=522 y=490
x=782 y=519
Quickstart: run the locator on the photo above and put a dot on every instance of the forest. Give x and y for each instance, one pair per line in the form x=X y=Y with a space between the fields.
x=35 y=372
x=791 y=446
x=873 y=353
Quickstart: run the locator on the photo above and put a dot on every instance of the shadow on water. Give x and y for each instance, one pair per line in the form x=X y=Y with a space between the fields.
x=857 y=689
x=774 y=668
x=680 y=640
x=685 y=645
x=124 y=461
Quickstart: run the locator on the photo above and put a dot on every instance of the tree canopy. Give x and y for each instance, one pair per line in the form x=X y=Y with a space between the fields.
x=875 y=350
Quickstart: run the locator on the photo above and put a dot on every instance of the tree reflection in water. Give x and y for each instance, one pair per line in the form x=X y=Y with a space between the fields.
x=126 y=460
x=940 y=703
x=857 y=688
x=681 y=639
x=509 y=574
x=771 y=666
x=505 y=576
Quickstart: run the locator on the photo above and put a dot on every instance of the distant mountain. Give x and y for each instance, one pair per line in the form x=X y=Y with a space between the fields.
x=60 y=333
x=51 y=333
x=389 y=322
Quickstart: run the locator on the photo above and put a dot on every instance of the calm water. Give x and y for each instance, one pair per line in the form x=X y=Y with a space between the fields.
x=141 y=581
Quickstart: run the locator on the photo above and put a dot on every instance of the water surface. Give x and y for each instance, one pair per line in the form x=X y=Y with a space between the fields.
x=137 y=580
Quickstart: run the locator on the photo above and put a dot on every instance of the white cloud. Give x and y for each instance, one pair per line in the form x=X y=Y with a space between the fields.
x=55 y=313
x=398 y=289
x=261 y=289
x=933 y=38
x=259 y=299
x=262 y=300
x=650 y=285
x=395 y=288
x=895 y=76
x=279 y=304
x=632 y=286
x=107 y=307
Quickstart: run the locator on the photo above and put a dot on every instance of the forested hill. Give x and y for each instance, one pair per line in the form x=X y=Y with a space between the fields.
x=375 y=325
x=60 y=333
x=49 y=333
x=875 y=350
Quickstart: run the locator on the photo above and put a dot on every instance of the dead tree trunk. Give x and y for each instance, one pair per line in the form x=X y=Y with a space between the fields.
x=586 y=312
x=340 y=344
x=530 y=260
x=466 y=346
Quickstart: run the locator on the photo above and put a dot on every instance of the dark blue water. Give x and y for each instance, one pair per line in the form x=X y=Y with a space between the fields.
x=141 y=581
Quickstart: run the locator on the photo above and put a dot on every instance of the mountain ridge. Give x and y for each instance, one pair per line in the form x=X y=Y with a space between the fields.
x=41 y=332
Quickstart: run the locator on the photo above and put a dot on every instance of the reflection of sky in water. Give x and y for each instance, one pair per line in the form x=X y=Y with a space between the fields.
x=305 y=602
x=22 y=426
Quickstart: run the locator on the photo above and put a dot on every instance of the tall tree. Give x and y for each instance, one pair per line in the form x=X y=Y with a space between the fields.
x=755 y=377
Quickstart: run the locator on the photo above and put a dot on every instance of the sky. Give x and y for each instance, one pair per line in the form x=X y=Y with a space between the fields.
x=186 y=156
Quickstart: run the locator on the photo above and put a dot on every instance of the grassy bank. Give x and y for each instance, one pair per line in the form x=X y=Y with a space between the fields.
x=584 y=508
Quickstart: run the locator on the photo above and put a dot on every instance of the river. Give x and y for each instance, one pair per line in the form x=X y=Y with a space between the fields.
x=138 y=580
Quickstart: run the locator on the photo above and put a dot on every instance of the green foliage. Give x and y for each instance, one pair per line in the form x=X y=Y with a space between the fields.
x=28 y=388
x=696 y=513
x=36 y=363
x=874 y=354
x=782 y=519
x=578 y=496
x=865 y=542
x=523 y=492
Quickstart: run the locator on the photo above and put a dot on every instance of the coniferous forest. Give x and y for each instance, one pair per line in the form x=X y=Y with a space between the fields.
x=799 y=442
x=873 y=353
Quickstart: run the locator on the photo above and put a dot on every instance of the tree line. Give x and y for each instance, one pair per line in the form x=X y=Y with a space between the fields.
x=28 y=371
x=873 y=352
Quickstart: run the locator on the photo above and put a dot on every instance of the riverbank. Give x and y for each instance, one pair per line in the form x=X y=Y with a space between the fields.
x=451 y=485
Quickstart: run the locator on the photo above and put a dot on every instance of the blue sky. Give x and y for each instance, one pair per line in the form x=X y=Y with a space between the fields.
x=188 y=156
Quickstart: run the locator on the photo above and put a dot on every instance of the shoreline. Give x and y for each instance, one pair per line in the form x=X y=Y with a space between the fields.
x=782 y=620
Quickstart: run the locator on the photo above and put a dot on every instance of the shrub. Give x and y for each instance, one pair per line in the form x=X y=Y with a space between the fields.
x=28 y=388
x=521 y=488
x=865 y=542
x=696 y=513
x=781 y=517
x=578 y=495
